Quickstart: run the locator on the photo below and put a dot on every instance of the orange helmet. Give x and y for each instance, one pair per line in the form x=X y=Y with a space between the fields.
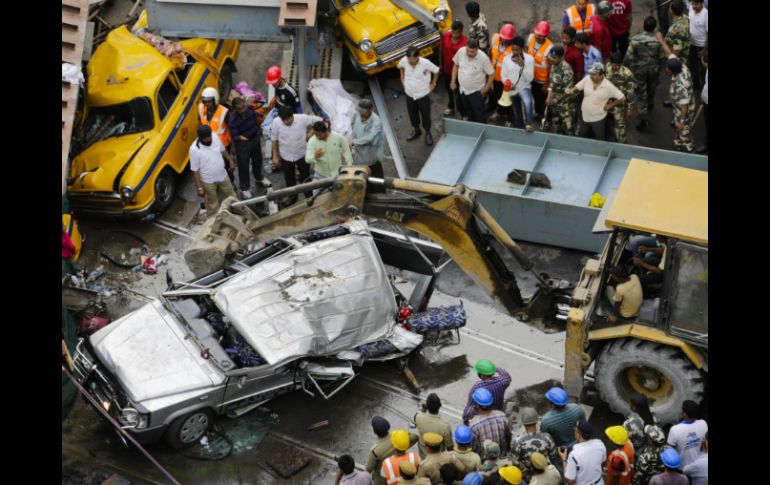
x=273 y=75
x=507 y=32
x=542 y=28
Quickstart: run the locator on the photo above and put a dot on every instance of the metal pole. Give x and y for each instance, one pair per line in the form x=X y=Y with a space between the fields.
x=390 y=135
x=301 y=37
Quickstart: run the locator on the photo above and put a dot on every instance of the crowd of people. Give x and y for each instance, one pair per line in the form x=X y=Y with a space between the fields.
x=588 y=86
x=304 y=148
x=483 y=450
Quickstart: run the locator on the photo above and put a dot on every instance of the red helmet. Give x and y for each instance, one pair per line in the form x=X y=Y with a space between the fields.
x=273 y=75
x=542 y=28
x=507 y=32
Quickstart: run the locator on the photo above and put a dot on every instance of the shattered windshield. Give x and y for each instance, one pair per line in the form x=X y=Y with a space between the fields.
x=119 y=119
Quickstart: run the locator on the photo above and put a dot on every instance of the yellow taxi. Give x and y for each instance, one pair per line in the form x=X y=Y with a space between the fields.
x=378 y=32
x=139 y=120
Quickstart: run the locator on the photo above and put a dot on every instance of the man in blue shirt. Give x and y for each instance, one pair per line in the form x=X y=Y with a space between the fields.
x=245 y=132
x=590 y=53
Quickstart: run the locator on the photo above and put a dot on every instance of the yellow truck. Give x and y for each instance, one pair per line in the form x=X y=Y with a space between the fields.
x=663 y=353
x=378 y=32
x=139 y=120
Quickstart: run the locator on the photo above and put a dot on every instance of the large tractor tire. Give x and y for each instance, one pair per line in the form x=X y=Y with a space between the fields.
x=660 y=372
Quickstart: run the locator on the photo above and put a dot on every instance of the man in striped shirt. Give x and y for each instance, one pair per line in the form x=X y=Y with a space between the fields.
x=493 y=379
x=489 y=424
x=560 y=421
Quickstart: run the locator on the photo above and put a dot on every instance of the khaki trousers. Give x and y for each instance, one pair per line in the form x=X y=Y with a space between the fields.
x=215 y=193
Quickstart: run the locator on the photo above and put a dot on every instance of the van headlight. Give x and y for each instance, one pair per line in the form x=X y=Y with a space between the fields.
x=365 y=45
x=132 y=418
x=126 y=193
x=440 y=14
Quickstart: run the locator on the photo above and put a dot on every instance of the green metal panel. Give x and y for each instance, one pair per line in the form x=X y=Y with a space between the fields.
x=481 y=156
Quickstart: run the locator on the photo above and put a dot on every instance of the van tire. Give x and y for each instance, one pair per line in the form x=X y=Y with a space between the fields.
x=187 y=430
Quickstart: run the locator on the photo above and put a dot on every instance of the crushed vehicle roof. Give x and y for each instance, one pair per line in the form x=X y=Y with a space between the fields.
x=124 y=67
x=319 y=299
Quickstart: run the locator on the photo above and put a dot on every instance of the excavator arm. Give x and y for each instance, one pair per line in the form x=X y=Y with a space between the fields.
x=449 y=215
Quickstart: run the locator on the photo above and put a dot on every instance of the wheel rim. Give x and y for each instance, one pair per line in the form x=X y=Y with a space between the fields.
x=194 y=427
x=649 y=382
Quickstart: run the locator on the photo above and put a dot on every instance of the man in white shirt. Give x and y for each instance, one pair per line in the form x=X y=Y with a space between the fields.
x=208 y=169
x=686 y=437
x=699 y=40
x=418 y=77
x=289 y=134
x=474 y=73
x=698 y=471
x=583 y=466
x=597 y=90
x=519 y=68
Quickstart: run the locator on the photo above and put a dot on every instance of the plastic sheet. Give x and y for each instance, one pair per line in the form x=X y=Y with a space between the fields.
x=337 y=103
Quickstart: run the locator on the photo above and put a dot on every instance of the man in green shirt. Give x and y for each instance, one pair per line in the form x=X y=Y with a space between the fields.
x=327 y=151
x=560 y=421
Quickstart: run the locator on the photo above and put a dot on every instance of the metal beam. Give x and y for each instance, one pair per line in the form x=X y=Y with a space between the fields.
x=417 y=11
x=387 y=127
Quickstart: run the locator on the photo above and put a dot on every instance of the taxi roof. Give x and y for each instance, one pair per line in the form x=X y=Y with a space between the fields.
x=662 y=199
x=124 y=67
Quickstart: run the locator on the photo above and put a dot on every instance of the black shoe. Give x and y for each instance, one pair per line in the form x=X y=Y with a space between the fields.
x=414 y=135
x=667 y=103
x=428 y=139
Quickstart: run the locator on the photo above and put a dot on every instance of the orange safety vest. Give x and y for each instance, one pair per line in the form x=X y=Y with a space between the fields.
x=541 y=60
x=390 y=466
x=577 y=22
x=218 y=122
x=626 y=475
x=497 y=56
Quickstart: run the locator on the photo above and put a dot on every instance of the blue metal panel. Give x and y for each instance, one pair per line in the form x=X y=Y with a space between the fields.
x=215 y=21
x=481 y=156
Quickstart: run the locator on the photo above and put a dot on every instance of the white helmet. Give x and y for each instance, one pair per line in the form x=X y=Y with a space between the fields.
x=210 y=93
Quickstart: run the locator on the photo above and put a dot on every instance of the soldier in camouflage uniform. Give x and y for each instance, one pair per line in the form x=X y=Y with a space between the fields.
x=647 y=459
x=478 y=29
x=644 y=57
x=559 y=80
x=530 y=442
x=493 y=462
x=678 y=35
x=635 y=427
x=683 y=102
x=623 y=79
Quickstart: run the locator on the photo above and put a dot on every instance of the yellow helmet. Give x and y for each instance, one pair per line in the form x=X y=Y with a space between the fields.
x=511 y=474
x=617 y=434
x=400 y=440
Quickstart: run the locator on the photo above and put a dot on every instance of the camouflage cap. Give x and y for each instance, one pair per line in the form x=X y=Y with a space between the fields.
x=493 y=449
x=655 y=434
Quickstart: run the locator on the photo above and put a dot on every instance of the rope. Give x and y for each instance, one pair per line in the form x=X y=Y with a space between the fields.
x=120 y=430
